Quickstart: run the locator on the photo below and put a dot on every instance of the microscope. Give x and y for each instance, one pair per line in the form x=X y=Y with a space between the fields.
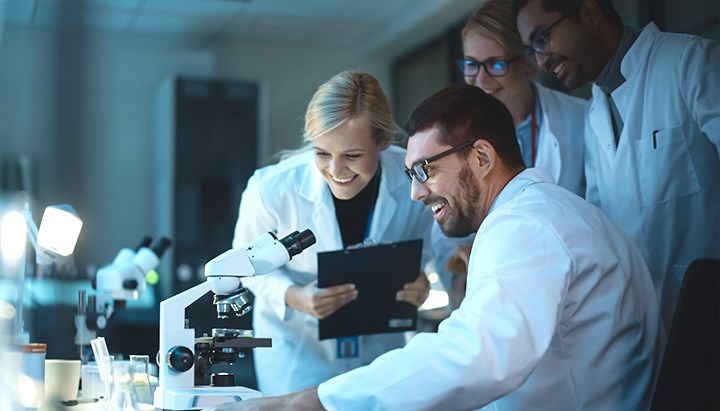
x=116 y=283
x=184 y=360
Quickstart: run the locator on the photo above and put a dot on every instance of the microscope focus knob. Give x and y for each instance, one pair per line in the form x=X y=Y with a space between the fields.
x=180 y=359
x=130 y=284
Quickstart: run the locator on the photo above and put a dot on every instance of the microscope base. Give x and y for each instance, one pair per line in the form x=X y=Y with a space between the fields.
x=200 y=397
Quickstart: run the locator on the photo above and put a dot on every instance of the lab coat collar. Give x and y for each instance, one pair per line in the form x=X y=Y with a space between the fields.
x=549 y=130
x=313 y=186
x=315 y=190
x=392 y=187
x=518 y=183
x=600 y=119
x=637 y=53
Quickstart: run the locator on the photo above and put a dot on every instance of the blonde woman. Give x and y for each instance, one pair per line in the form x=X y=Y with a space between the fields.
x=350 y=187
x=549 y=124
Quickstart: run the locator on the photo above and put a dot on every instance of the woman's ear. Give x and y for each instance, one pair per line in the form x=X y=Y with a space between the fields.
x=385 y=144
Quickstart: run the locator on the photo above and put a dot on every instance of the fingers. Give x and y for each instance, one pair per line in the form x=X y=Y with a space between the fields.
x=415 y=292
x=336 y=289
x=326 y=301
x=463 y=252
x=325 y=306
x=456 y=264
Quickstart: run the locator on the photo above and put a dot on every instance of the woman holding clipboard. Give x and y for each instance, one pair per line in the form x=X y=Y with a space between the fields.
x=348 y=187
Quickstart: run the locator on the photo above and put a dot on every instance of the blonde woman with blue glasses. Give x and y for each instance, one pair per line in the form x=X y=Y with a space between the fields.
x=549 y=124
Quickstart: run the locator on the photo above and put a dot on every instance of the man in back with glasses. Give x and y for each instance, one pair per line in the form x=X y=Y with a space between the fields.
x=559 y=312
x=652 y=132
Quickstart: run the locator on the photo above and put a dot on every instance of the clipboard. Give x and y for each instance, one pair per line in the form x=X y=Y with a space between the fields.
x=378 y=272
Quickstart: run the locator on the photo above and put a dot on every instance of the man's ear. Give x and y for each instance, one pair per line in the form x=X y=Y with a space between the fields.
x=590 y=14
x=530 y=69
x=483 y=156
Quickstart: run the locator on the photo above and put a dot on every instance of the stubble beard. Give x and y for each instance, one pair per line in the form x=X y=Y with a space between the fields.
x=467 y=209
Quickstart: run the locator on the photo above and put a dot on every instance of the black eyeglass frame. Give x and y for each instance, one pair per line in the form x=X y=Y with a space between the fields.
x=418 y=171
x=544 y=36
x=484 y=64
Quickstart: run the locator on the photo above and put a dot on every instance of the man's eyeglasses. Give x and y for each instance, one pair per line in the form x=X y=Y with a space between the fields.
x=494 y=67
x=541 y=42
x=418 y=170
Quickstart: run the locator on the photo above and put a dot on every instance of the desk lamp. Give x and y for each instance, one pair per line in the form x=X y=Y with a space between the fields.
x=54 y=241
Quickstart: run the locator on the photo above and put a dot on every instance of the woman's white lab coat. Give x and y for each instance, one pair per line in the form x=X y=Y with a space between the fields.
x=661 y=185
x=561 y=147
x=293 y=195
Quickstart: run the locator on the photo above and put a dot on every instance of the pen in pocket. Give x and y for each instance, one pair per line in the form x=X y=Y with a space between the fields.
x=655 y=138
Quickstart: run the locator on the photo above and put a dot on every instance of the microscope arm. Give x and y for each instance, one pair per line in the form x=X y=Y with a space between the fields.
x=172 y=310
x=176 y=358
x=174 y=334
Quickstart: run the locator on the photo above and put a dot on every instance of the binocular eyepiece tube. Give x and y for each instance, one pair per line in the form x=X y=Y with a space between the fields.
x=296 y=242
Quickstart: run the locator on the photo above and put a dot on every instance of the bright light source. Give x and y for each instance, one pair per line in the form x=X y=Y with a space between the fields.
x=13 y=236
x=59 y=229
x=433 y=278
x=436 y=299
x=152 y=277
x=31 y=391
x=7 y=311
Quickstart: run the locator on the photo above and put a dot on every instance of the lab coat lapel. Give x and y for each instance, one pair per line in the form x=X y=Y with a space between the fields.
x=547 y=136
x=314 y=188
x=387 y=202
x=601 y=123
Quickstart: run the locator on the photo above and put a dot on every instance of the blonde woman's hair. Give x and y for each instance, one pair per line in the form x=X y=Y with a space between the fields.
x=347 y=95
x=493 y=20
x=350 y=95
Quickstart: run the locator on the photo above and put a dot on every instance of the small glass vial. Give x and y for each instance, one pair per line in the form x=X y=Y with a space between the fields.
x=123 y=397
x=33 y=378
x=140 y=367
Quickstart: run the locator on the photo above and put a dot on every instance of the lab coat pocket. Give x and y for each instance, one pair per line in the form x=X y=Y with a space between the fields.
x=665 y=167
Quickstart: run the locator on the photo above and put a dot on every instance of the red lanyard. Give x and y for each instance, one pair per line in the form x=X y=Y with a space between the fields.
x=533 y=126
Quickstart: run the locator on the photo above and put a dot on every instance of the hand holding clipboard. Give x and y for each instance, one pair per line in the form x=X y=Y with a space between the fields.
x=378 y=272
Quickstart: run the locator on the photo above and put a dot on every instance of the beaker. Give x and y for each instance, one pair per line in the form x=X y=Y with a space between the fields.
x=140 y=367
x=123 y=397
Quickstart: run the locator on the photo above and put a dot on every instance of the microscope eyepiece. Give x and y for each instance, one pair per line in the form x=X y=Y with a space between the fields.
x=161 y=246
x=296 y=242
x=145 y=242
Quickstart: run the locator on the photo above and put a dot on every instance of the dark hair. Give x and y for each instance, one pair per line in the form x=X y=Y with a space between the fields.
x=466 y=113
x=570 y=8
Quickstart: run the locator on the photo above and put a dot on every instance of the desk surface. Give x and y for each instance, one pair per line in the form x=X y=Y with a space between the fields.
x=98 y=406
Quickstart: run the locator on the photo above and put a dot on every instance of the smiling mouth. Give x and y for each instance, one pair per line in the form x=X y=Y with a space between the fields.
x=437 y=208
x=559 y=68
x=343 y=180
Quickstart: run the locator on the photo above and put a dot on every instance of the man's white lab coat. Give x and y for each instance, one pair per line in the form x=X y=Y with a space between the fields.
x=559 y=315
x=561 y=151
x=661 y=184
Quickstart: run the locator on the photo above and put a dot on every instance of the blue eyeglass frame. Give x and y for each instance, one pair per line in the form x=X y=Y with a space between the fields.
x=418 y=171
x=483 y=65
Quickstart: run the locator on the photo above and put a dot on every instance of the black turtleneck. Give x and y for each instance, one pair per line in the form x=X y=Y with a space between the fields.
x=353 y=214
